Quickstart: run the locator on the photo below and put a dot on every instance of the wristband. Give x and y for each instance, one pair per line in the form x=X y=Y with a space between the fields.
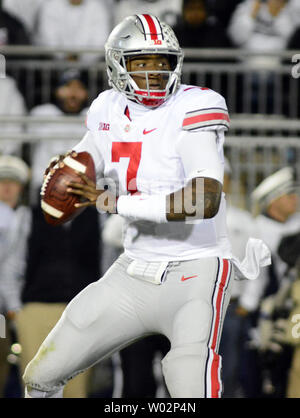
x=142 y=207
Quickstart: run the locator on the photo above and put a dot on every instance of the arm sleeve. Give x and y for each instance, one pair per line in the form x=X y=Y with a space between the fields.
x=199 y=155
x=49 y=29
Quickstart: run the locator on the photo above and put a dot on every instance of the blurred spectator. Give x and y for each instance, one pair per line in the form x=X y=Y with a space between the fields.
x=14 y=174
x=25 y=10
x=61 y=261
x=74 y=24
x=289 y=251
x=263 y=26
x=195 y=30
x=275 y=205
x=221 y=10
x=261 y=29
x=71 y=98
x=11 y=104
x=112 y=235
x=12 y=31
x=295 y=7
x=166 y=11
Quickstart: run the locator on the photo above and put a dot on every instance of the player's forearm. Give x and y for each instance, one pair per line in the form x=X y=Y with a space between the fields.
x=200 y=199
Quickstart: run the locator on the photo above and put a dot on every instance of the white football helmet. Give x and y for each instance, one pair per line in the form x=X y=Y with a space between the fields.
x=140 y=35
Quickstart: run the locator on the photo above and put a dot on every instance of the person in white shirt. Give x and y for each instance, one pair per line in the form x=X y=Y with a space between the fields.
x=14 y=226
x=275 y=207
x=71 y=98
x=262 y=26
x=158 y=153
x=12 y=103
x=74 y=24
x=166 y=11
x=24 y=10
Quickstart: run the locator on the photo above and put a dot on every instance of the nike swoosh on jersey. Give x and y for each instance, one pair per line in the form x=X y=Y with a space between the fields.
x=148 y=132
x=186 y=278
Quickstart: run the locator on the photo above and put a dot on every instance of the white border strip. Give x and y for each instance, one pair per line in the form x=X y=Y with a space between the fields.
x=51 y=210
x=75 y=165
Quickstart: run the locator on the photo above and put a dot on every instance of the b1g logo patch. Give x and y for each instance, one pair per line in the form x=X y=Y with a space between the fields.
x=103 y=126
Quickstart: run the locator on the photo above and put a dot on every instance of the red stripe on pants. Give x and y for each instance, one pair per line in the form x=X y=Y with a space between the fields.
x=215 y=381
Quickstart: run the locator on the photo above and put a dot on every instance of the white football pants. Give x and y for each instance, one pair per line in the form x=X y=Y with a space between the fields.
x=188 y=308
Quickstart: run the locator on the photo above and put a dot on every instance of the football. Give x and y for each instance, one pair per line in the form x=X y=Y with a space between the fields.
x=57 y=204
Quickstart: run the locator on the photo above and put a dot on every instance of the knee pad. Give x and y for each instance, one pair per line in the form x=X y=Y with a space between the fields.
x=192 y=371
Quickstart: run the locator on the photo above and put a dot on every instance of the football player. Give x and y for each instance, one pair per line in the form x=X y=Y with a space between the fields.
x=158 y=152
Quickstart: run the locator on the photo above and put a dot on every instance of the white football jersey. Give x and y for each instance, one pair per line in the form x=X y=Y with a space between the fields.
x=138 y=148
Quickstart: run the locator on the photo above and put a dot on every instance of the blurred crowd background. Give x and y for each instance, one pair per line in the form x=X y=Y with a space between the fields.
x=54 y=67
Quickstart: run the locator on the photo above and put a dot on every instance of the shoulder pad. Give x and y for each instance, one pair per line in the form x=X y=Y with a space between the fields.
x=207 y=110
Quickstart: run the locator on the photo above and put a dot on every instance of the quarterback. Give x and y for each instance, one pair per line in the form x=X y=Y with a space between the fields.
x=158 y=152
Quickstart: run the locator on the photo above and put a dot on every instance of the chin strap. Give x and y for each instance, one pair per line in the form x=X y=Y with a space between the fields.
x=151 y=102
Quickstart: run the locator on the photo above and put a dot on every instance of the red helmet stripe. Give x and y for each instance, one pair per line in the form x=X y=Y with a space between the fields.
x=152 y=27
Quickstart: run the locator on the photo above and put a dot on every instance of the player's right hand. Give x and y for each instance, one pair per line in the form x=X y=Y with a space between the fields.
x=58 y=159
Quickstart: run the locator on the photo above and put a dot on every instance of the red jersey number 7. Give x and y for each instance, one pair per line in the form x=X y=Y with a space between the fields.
x=133 y=151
